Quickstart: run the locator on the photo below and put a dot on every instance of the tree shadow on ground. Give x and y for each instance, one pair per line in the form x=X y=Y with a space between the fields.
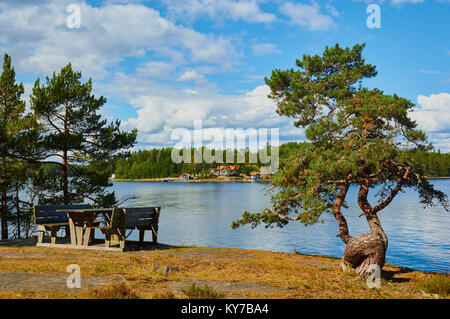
x=389 y=275
x=28 y=242
x=129 y=245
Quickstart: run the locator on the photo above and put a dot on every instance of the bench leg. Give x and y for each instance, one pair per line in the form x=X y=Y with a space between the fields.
x=53 y=232
x=67 y=231
x=155 y=234
x=80 y=230
x=92 y=235
x=122 y=242
x=73 y=238
x=141 y=235
x=155 y=223
x=107 y=239
x=41 y=236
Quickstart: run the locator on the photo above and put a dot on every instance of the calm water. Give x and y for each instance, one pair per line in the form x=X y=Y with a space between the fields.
x=201 y=214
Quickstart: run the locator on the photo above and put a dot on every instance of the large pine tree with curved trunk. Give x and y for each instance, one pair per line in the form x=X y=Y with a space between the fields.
x=356 y=136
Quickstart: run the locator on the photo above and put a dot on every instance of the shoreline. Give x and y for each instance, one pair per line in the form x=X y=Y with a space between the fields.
x=178 y=180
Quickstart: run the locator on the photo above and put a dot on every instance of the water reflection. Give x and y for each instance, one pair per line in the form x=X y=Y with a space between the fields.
x=200 y=214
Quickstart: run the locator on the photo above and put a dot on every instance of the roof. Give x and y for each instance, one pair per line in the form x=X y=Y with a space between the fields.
x=254 y=173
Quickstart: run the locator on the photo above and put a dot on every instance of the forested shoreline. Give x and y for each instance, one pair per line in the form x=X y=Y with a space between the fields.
x=157 y=163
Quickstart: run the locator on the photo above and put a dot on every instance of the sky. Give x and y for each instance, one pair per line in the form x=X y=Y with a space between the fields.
x=164 y=64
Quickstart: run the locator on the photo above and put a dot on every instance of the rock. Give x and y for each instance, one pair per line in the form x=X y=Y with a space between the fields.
x=165 y=270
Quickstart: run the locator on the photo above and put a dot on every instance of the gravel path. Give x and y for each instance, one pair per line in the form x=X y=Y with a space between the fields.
x=47 y=282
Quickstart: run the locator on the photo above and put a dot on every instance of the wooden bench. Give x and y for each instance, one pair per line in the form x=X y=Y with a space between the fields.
x=143 y=218
x=114 y=228
x=47 y=218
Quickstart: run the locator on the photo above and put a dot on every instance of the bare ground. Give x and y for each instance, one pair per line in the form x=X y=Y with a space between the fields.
x=164 y=271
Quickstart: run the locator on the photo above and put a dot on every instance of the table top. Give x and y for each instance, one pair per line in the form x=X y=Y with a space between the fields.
x=86 y=210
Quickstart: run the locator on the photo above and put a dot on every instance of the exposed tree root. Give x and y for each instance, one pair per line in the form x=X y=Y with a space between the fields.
x=365 y=250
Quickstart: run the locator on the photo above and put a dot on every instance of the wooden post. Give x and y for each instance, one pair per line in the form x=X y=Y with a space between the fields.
x=107 y=238
x=141 y=235
x=122 y=228
x=87 y=232
x=80 y=231
x=73 y=238
x=155 y=225
x=41 y=236
x=54 y=230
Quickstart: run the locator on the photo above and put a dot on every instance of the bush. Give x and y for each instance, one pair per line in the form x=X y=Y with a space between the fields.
x=114 y=291
x=438 y=284
x=202 y=292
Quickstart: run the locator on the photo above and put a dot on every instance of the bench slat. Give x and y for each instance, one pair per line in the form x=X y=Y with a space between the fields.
x=140 y=216
x=47 y=214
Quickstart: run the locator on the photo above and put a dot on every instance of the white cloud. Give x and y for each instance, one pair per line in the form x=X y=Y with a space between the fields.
x=440 y=141
x=395 y=2
x=40 y=41
x=307 y=16
x=265 y=49
x=192 y=75
x=160 y=110
x=405 y=1
x=434 y=114
x=333 y=11
x=157 y=69
x=217 y=10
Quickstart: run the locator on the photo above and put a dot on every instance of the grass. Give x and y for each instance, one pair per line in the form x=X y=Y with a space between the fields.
x=195 y=291
x=112 y=291
x=437 y=284
x=293 y=275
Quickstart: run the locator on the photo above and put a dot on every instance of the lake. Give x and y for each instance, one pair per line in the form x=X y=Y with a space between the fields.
x=200 y=214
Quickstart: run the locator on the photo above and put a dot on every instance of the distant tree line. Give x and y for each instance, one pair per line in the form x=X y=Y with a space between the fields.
x=432 y=164
x=157 y=163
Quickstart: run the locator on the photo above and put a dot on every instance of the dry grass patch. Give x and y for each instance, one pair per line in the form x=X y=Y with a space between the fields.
x=195 y=291
x=297 y=276
x=112 y=291
x=435 y=284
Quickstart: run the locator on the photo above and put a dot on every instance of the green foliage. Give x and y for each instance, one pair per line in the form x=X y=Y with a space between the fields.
x=202 y=292
x=431 y=164
x=356 y=136
x=16 y=127
x=76 y=133
x=156 y=163
x=438 y=284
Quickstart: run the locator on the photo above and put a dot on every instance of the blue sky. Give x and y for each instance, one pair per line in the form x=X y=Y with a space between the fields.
x=163 y=64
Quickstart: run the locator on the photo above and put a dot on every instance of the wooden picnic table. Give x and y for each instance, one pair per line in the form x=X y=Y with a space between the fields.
x=81 y=223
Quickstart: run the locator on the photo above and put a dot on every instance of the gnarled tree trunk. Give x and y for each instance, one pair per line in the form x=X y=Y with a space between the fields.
x=365 y=250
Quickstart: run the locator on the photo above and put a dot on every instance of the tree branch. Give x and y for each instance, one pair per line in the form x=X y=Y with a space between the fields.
x=394 y=193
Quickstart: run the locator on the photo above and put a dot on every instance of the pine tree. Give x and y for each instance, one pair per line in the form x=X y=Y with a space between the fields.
x=356 y=136
x=77 y=139
x=14 y=127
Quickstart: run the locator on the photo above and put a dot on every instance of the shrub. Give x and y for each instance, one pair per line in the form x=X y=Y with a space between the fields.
x=438 y=284
x=202 y=292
